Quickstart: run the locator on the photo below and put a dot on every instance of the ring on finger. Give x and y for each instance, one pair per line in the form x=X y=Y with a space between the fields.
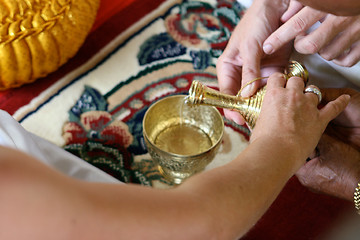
x=315 y=90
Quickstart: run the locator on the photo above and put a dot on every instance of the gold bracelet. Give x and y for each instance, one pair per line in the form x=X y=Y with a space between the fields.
x=357 y=198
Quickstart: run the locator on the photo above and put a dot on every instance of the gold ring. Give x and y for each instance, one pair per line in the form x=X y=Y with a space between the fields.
x=314 y=89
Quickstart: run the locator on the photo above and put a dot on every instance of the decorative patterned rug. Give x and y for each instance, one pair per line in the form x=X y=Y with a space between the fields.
x=138 y=52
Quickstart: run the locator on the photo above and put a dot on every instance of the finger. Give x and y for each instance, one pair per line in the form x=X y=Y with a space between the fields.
x=346 y=34
x=251 y=69
x=276 y=80
x=334 y=108
x=313 y=98
x=351 y=58
x=229 y=71
x=319 y=39
x=296 y=25
x=317 y=157
x=314 y=93
x=296 y=83
x=229 y=77
x=234 y=116
x=330 y=94
x=307 y=170
x=294 y=7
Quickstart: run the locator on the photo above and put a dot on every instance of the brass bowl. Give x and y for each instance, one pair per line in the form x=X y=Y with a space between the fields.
x=182 y=139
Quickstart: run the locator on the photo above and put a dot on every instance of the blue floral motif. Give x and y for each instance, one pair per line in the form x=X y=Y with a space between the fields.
x=159 y=47
x=90 y=100
x=201 y=59
x=198 y=28
x=138 y=146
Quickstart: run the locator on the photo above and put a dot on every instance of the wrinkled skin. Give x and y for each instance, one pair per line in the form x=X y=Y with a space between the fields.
x=295 y=120
x=336 y=171
x=336 y=39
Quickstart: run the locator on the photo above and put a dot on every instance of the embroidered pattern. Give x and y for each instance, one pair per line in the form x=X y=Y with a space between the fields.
x=106 y=130
x=194 y=26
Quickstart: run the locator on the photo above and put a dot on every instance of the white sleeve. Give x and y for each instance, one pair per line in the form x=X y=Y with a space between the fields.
x=13 y=135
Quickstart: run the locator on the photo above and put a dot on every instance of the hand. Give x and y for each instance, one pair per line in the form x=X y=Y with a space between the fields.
x=337 y=38
x=291 y=117
x=243 y=58
x=335 y=171
x=346 y=127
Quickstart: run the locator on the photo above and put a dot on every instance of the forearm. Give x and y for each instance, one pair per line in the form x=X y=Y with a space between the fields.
x=224 y=202
x=44 y=203
x=252 y=182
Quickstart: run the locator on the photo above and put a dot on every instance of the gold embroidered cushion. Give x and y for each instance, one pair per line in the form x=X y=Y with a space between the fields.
x=38 y=36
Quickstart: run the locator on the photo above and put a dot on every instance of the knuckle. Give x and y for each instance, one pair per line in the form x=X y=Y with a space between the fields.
x=277 y=39
x=273 y=92
x=327 y=55
x=248 y=71
x=306 y=45
x=312 y=46
x=299 y=24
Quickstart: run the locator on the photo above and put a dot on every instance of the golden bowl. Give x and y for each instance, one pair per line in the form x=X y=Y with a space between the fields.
x=182 y=139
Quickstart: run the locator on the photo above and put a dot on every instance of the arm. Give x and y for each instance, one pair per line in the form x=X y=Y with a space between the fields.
x=222 y=203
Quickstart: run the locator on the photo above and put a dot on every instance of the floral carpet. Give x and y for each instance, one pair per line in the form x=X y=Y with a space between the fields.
x=138 y=52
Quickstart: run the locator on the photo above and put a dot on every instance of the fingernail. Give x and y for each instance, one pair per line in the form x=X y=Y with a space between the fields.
x=247 y=91
x=268 y=49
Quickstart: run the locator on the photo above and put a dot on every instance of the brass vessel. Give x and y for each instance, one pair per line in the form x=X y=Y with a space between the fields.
x=249 y=108
x=181 y=139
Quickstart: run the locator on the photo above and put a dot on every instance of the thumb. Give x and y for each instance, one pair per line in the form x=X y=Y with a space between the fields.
x=334 y=108
x=330 y=94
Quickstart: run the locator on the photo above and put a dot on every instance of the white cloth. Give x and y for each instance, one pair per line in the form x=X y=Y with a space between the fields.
x=13 y=135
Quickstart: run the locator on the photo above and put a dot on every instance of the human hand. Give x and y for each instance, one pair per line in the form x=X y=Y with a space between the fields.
x=337 y=38
x=243 y=58
x=345 y=127
x=336 y=171
x=291 y=119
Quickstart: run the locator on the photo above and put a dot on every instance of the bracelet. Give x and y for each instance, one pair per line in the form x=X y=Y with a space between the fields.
x=357 y=198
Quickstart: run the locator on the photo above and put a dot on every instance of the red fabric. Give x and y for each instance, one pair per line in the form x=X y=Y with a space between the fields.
x=108 y=8
x=297 y=213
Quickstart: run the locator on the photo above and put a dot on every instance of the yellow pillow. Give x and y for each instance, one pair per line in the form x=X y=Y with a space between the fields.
x=38 y=36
